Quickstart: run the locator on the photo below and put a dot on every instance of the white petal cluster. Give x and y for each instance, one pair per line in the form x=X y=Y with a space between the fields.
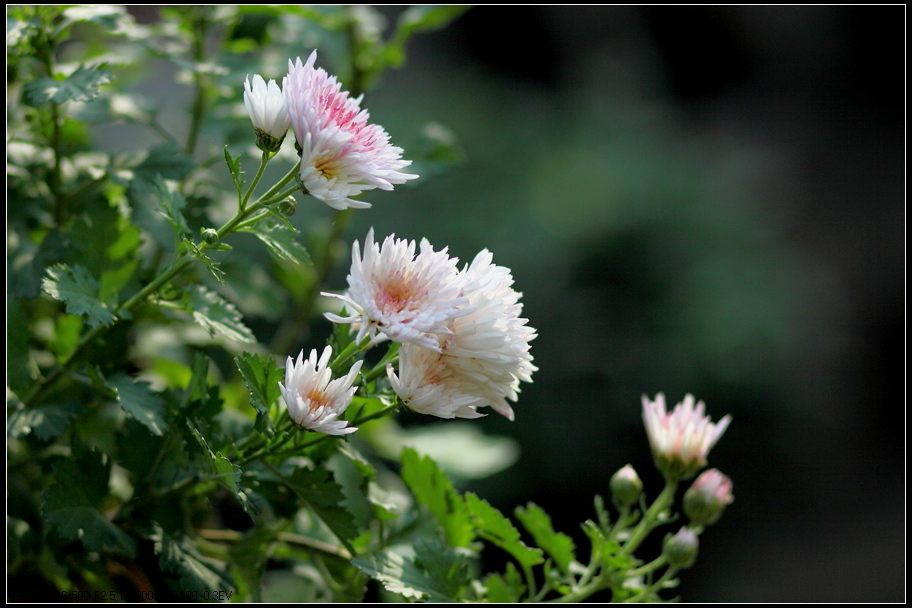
x=268 y=111
x=314 y=400
x=342 y=154
x=489 y=346
x=397 y=294
x=464 y=343
x=680 y=440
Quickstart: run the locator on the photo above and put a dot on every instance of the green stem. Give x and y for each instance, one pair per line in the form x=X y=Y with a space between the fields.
x=653 y=588
x=271 y=193
x=322 y=438
x=348 y=352
x=256 y=178
x=662 y=502
x=285 y=537
x=45 y=51
x=278 y=197
x=199 y=26
x=647 y=568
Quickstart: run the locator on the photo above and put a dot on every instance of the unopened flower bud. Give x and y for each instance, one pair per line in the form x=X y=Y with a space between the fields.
x=705 y=500
x=210 y=235
x=681 y=549
x=268 y=111
x=288 y=206
x=626 y=486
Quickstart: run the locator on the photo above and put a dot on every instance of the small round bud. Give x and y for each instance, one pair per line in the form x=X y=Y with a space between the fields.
x=288 y=206
x=681 y=549
x=626 y=486
x=210 y=235
x=707 y=498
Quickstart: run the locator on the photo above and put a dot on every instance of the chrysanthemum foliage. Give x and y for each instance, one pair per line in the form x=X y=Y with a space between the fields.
x=175 y=430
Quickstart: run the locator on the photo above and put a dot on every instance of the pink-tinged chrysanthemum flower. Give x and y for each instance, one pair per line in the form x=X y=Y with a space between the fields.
x=705 y=500
x=268 y=112
x=482 y=359
x=680 y=440
x=397 y=294
x=342 y=154
x=427 y=385
x=314 y=400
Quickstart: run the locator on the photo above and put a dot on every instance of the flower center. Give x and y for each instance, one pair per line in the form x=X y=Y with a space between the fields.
x=315 y=398
x=396 y=293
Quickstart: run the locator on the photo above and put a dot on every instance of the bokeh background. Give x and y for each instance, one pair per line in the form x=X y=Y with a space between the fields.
x=696 y=199
x=705 y=200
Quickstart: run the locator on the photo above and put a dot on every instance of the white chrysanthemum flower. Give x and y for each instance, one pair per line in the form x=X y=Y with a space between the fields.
x=268 y=112
x=482 y=359
x=342 y=154
x=490 y=344
x=427 y=385
x=680 y=440
x=397 y=294
x=314 y=400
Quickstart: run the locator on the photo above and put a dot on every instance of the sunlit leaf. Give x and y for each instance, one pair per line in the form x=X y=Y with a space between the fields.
x=217 y=315
x=261 y=375
x=447 y=568
x=495 y=528
x=81 y=85
x=558 y=545
x=400 y=575
x=320 y=491
x=138 y=400
x=46 y=422
x=431 y=488
x=282 y=242
x=78 y=290
x=506 y=588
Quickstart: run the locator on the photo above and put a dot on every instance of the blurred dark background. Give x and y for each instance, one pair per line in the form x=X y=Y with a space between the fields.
x=696 y=199
x=705 y=200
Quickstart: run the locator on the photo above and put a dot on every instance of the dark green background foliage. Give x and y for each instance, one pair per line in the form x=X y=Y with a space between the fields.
x=699 y=199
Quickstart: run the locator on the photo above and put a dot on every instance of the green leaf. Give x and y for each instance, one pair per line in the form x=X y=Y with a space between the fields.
x=495 y=528
x=81 y=85
x=447 y=568
x=45 y=422
x=138 y=400
x=177 y=554
x=431 y=488
x=78 y=289
x=234 y=167
x=508 y=588
x=281 y=241
x=400 y=575
x=324 y=496
x=170 y=204
x=558 y=545
x=261 y=375
x=71 y=504
x=217 y=315
x=222 y=469
x=188 y=246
